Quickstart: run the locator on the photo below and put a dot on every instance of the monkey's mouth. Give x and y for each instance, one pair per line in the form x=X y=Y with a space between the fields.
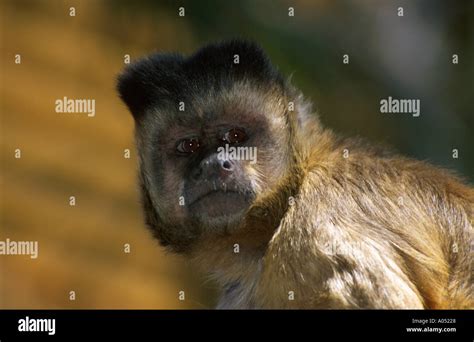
x=220 y=203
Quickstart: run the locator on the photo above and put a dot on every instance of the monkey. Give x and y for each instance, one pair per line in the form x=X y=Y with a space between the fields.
x=317 y=220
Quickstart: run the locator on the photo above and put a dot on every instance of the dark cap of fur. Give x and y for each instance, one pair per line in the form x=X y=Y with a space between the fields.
x=162 y=78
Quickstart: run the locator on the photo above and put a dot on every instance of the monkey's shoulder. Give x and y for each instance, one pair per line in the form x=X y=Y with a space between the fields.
x=359 y=180
x=355 y=164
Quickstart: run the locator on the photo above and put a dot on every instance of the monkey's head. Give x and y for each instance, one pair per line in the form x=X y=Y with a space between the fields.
x=214 y=135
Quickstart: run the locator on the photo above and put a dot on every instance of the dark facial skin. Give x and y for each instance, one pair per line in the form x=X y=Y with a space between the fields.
x=216 y=190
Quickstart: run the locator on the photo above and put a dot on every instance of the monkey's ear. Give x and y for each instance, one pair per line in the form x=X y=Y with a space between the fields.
x=148 y=81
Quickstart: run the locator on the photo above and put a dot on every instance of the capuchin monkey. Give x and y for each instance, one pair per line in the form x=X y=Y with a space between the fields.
x=293 y=216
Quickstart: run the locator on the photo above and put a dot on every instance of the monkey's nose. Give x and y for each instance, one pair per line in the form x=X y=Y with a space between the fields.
x=227 y=165
x=213 y=167
x=226 y=168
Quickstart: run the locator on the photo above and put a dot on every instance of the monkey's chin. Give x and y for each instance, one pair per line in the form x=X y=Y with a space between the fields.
x=220 y=211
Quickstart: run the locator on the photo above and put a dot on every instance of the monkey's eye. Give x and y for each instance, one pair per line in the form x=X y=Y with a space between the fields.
x=187 y=146
x=235 y=136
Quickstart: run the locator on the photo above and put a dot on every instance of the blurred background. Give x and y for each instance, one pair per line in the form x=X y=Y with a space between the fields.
x=81 y=247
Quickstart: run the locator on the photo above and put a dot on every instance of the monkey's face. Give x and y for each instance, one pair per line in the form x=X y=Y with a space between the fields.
x=212 y=137
x=207 y=164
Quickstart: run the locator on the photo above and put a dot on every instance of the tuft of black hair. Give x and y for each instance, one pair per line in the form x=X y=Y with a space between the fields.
x=168 y=77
